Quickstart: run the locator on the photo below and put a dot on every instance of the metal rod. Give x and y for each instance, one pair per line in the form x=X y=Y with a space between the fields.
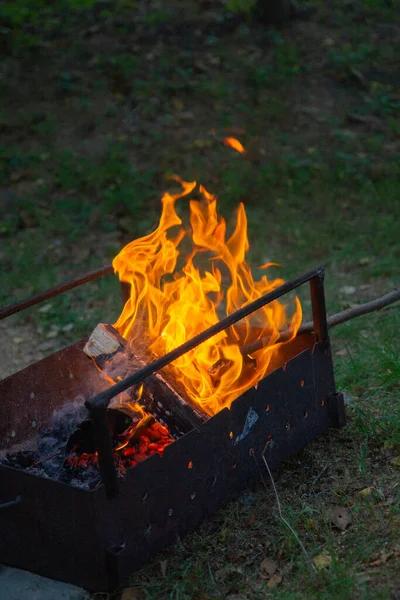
x=105 y=450
x=104 y=397
x=11 y=309
x=319 y=308
x=332 y=321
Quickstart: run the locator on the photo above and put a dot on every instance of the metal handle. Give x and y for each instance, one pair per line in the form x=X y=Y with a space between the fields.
x=11 y=309
x=17 y=500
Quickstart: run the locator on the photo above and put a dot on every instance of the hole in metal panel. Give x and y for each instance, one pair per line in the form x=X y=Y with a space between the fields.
x=193 y=495
x=322 y=402
x=251 y=451
x=190 y=464
x=287 y=426
x=118 y=548
x=230 y=434
x=301 y=382
x=267 y=407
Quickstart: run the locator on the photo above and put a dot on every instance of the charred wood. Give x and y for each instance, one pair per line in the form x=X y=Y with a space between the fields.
x=158 y=396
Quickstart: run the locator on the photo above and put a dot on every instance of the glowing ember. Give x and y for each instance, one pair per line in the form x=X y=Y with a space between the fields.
x=169 y=303
x=153 y=439
x=235 y=144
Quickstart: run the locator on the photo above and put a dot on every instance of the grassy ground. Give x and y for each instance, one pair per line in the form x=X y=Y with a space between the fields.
x=97 y=108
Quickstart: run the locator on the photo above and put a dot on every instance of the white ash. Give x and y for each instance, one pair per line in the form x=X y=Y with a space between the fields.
x=64 y=421
x=46 y=458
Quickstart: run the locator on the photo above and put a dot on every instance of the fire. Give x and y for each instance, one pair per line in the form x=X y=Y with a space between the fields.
x=171 y=302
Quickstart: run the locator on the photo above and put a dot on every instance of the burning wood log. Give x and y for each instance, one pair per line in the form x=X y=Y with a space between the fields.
x=158 y=396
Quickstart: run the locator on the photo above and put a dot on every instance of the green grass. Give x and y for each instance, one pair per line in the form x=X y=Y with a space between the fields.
x=86 y=159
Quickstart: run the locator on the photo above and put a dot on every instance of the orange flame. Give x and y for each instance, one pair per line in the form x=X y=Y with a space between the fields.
x=170 y=303
x=235 y=144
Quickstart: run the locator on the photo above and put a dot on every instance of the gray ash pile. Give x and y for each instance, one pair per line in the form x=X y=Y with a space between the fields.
x=66 y=451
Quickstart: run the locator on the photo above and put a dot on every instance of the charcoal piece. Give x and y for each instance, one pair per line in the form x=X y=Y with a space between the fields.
x=82 y=440
x=20 y=460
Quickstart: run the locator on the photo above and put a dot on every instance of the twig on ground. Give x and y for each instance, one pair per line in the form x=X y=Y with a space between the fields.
x=362 y=80
x=318 y=477
x=344 y=487
x=278 y=503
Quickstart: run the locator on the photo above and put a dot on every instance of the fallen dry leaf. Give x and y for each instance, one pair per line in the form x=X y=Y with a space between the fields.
x=381 y=560
x=392 y=446
x=342 y=352
x=366 y=491
x=53 y=332
x=268 y=567
x=349 y=290
x=389 y=501
x=310 y=523
x=274 y=581
x=340 y=517
x=223 y=573
x=322 y=560
x=45 y=308
x=346 y=475
x=46 y=345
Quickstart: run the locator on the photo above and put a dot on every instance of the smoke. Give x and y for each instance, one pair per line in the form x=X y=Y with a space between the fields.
x=53 y=439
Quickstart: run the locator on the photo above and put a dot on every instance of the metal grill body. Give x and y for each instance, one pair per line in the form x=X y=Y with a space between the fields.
x=96 y=539
x=88 y=539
